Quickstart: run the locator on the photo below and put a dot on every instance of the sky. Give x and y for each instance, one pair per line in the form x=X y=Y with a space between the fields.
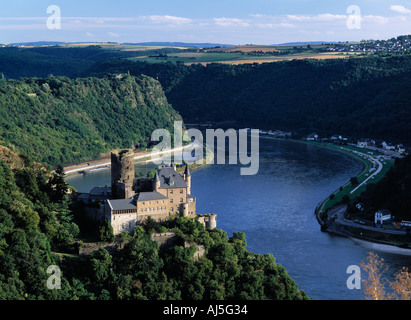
x=213 y=21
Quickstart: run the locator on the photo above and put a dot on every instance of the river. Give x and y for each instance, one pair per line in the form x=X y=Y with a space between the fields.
x=275 y=209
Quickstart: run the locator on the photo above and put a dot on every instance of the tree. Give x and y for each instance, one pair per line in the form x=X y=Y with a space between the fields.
x=402 y=285
x=354 y=181
x=345 y=199
x=58 y=184
x=374 y=284
x=101 y=267
x=106 y=232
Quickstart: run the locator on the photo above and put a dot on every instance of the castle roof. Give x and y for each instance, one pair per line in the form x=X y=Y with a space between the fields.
x=156 y=178
x=187 y=171
x=147 y=196
x=122 y=204
x=100 y=191
x=169 y=178
x=131 y=203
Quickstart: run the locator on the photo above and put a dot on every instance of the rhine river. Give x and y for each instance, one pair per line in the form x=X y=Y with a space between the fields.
x=275 y=209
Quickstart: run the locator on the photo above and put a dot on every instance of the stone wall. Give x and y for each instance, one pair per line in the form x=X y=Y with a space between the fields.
x=200 y=249
x=89 y=248
x=166 y=239
x=123 y=222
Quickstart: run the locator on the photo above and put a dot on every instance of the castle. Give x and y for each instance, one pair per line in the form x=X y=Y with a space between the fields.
x=129 y=200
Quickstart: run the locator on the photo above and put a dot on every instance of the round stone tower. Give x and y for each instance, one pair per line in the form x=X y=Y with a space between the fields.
x=122 y=174
x=187 y=178
x=212 y=222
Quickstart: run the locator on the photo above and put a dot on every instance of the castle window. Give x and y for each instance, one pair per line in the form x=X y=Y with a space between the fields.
x=181 y=191
x=171 y=200
x=143 y=203
x=162 y=201
x=141 y=210
x=149 y=202
x=171 y=191
x=181 y=199
x=156 y=202
x=172 y=209
x=145 y=209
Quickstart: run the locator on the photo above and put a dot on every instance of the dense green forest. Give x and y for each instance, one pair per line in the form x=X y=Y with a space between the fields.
x=142 y=270
x=392 y=192
x=356 y=97
x=39 y=227
x=35 y=220
x=57 y=120
x=41 y=61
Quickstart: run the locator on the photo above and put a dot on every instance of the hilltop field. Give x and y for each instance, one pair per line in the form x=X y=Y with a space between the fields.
x=242 y=54
x=193 y=55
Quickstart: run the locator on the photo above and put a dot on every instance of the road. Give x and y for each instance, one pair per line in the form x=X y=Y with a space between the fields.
x=140 y=156
x=337 y=217
x=377 y=171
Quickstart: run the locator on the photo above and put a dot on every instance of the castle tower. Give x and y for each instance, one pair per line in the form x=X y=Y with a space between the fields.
x=212 y=221
x=187 y=178
x=122 y=174
x=184 y=209
x=156 y=182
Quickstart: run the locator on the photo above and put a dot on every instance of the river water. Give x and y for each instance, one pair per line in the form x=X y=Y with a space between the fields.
x=275 y=209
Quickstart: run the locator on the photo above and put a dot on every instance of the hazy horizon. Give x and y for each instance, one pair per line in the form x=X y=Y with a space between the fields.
x=227 y=22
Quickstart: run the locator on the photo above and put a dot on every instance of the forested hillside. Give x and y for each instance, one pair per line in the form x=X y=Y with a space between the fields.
x=42 y=61
x=16 y=63
x=57 y=120
x=392 y=192
x=35 y=220
x=357 y=97
x=39 y=227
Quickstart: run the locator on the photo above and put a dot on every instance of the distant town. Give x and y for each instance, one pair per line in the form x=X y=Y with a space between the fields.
x=399 y=44
x=387 y=148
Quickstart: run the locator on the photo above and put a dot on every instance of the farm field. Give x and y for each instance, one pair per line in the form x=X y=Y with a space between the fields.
x=230 y=57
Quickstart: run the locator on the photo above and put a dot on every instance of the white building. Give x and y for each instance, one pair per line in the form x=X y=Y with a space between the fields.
x=381 y=216
x=312 y=137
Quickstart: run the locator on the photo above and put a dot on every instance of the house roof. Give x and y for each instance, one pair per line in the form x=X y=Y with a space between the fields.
x=384 y=211
x=169 y=178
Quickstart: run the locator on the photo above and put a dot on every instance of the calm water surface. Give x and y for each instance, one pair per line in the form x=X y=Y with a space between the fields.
x=275 y=209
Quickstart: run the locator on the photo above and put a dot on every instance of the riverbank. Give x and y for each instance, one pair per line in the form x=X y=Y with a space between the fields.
x=105 y=161
x=330 y=213
x=369 y=165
